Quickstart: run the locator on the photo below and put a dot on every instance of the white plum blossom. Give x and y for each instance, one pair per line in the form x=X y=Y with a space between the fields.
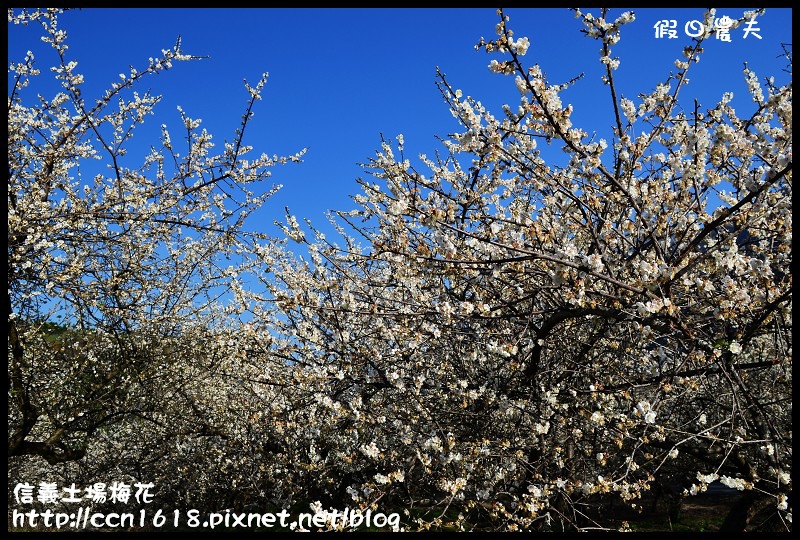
x=520 y=46
x=707 y=478
x=734 y=483
x=644 y=409
x=371 y=450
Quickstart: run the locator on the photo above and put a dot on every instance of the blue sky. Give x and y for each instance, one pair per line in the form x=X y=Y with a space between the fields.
x=340 y=77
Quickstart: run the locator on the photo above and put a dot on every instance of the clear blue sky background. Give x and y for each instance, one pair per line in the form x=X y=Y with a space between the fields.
x=340 y=77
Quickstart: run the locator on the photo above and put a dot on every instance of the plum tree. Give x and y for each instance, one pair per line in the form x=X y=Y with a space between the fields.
x=514 y=337
x=132 y=259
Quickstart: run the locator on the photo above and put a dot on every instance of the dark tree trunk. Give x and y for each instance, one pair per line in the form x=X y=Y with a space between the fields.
x=742 y=513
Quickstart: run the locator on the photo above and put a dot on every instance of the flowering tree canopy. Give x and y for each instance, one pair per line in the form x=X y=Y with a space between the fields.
x=521 y=336
x=496 y=341
x=130 y=256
